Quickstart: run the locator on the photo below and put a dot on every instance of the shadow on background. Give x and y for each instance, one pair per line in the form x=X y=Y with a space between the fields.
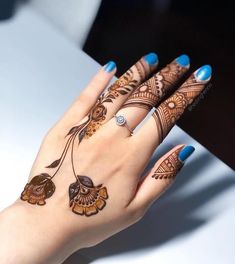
x=169 y=218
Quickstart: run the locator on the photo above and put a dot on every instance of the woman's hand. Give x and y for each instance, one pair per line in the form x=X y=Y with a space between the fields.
x=85 y=184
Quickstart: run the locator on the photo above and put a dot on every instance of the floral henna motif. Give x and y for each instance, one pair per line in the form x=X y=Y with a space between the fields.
x=123 y=86
x=38 y=189
x=170 y=110
x=153 y=90
x=169 y=167
x=85 y=198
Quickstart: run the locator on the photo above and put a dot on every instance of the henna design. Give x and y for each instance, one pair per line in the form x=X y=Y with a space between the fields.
x=169 y=167
x=38 y=189
x=85 y=198
x=123 y=86
x=149 y=93
x=41 y=187
x=171 y=109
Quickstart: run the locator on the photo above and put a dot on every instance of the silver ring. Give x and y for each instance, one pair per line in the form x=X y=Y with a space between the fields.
x=121 y=121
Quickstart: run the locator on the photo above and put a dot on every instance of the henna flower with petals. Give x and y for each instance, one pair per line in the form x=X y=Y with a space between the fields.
x=99 y=112
x=85 y=198
x=38 y=189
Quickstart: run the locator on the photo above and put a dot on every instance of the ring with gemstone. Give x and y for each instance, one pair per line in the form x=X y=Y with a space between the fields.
x=121 y=121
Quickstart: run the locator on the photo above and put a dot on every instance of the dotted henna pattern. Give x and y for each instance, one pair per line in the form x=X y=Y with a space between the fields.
x=169 y=167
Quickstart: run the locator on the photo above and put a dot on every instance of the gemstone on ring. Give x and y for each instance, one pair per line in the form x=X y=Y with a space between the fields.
x=120 y=120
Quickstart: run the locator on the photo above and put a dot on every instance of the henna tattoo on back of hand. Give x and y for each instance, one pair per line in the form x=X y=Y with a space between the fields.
x=85 y=198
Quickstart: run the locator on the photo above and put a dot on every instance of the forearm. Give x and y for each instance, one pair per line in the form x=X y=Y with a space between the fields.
x=27 y=237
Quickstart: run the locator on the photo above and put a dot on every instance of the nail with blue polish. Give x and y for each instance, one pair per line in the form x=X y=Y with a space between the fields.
x=151 y=58
x=183 y=60
x=185 y=153
x=110 y=66
x=204 y=73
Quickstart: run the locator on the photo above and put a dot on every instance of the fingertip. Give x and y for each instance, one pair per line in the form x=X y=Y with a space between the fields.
x=151 y=58
x=110 y=67
x=183 y=60
x=185 y=152
x=203 y=73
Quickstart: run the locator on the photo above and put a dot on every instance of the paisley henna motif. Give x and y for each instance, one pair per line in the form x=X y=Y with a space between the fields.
x=85 y=198
x=169 y=167
x=149 y=93
x=171 y=109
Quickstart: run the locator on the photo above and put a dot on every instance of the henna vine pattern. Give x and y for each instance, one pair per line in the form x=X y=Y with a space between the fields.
x=85 y=198
x=149 y=93
x=169 y=167
x=170 y=110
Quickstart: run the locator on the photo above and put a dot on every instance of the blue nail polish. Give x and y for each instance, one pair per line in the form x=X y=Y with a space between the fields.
x=151 y=58
x=183 y=60
x=203 y=73
x=110 y=66
x=186 y=152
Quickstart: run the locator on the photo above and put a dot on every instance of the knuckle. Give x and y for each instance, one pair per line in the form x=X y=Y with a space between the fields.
x=136 y=214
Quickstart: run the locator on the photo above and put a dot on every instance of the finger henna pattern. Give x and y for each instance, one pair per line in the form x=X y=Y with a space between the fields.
x=149 y=93
x=169 y=167
x=170 y=110
x=123 y=86
x=85 y=198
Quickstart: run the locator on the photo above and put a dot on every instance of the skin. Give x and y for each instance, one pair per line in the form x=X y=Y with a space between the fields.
x=109 y=156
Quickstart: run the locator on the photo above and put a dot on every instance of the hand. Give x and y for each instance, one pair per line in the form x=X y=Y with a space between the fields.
x=85 y=184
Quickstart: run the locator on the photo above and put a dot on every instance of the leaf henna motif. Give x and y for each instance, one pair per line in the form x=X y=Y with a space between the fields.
x=54 y=164
x=169 y=167
x=85 y=198
x=40 y=188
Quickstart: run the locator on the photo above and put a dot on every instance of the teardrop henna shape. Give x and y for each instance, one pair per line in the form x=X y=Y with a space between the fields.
x=85 y=198
x=40 y=188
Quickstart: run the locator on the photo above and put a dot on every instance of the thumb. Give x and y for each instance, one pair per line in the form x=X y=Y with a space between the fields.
x=160 y=177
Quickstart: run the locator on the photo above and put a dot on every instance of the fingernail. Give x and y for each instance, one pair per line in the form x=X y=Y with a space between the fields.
x=185 y=153
x=110 y=66
x=183 y=60
x=204 y=73
x=151 y=58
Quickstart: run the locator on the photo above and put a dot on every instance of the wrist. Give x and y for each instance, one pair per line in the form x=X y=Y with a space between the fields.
x=30 y=236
